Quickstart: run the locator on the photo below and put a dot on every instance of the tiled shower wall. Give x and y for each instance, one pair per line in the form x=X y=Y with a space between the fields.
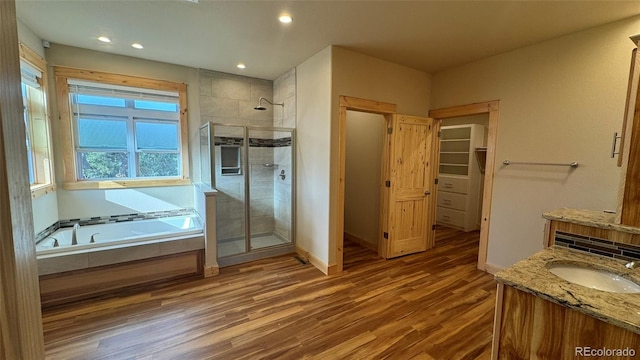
x=282 y=190
x=261 y=186
x=230 y=99
x=284 y=91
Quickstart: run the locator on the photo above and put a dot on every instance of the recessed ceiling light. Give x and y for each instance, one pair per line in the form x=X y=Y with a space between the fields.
x=137 y=46
x=285 y=19
x=104 y=39
x=241 y=66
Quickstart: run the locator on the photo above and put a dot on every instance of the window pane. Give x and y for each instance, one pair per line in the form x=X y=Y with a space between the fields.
x=156 y=136
x=32 y=176
x=102 y=134
x=155 y=105
x=103 y=165
x=158 y=164
x=100 y=100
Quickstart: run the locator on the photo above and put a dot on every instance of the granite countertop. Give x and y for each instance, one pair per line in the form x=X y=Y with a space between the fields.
x=599 y=219
x=532 y=276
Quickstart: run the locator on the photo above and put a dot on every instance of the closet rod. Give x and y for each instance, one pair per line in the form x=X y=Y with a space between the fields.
x=507 y=162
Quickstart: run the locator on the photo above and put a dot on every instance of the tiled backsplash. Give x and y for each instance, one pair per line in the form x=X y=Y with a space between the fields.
x=253 y=142
x=598 y=246
x=97 y=220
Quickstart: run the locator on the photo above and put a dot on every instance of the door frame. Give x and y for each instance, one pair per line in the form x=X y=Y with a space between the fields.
x=354 y=104
x=493 y=109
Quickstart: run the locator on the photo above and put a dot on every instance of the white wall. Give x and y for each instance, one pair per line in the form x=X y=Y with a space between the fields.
x=363 y=163
x=84 y=203
x=560 y=101
x=313 y=129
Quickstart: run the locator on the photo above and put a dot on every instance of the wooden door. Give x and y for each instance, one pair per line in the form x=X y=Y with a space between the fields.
x=409 y=212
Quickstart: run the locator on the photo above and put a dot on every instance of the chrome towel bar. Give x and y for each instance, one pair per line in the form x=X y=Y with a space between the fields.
x=507 y=162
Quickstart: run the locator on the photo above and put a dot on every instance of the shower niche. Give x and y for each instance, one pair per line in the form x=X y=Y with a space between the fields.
x=230 y=160
x=254 y=203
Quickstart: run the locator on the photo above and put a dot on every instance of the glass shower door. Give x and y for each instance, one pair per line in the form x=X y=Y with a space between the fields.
x=270 y=187
x=229 y=175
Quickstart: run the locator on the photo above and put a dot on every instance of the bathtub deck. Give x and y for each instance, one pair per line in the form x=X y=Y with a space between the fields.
x=433 y=305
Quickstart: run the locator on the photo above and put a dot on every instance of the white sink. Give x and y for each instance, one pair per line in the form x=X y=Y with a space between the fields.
x=594 y=278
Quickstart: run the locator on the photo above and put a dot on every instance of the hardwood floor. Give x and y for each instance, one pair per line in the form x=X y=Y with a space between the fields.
x=433 y=305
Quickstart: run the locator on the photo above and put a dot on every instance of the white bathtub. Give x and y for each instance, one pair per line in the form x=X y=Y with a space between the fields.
x=112 y=234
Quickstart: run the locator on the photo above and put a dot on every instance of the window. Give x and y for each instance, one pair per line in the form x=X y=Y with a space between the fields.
x=124 y=131
x=36 y=120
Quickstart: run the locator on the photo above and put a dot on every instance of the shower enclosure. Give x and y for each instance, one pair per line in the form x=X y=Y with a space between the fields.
x=253 y=171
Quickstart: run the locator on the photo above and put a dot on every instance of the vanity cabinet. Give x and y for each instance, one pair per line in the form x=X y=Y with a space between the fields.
x=542 y=316
x=530 y=327
x=460 y=179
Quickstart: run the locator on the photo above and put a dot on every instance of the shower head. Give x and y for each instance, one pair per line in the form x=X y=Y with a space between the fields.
x=261 y=107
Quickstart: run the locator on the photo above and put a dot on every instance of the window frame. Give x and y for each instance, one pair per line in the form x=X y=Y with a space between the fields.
x=41 y=186
x=67 y=136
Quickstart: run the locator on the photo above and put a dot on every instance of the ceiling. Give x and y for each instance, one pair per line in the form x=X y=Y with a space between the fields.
x=217 y=35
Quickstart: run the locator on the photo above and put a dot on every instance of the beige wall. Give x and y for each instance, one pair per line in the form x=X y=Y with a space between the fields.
x=362 y=76
x=560 y=101
x=29 y=38
x=322 y=79
x=365 y=137
x=83 y=203
x=313 y=129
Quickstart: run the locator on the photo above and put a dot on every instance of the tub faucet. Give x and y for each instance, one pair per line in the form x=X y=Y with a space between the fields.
x=74 y=235
x=631 y=265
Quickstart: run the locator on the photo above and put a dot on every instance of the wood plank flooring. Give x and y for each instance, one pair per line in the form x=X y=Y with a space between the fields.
x=433 y=305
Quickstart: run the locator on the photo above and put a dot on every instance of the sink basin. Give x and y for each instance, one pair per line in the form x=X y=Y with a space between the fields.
x=594 y=278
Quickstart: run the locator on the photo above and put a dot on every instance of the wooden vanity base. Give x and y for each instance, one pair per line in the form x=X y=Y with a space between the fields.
x=529 y=327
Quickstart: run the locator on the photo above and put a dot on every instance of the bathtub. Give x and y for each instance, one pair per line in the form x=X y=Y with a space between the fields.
x=119 y=242
x=123 y=256
x=108 y=235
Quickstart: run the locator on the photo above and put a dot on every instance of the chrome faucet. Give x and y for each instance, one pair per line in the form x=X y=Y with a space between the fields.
x=74 y=235
x=630 y=265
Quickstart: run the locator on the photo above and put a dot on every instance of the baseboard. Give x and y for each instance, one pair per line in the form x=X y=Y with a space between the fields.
x=319 y=264
x=211 y=271
x=360 y=241
x=492 y=269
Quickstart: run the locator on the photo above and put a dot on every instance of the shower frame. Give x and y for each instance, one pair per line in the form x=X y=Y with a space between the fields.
x=261 y=253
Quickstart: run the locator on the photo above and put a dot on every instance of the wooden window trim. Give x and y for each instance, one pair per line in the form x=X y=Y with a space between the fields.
x=31 y=57
x=62 y=75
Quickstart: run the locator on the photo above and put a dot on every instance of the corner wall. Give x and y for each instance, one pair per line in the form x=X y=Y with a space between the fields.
x=313 y=129
x=560 y=101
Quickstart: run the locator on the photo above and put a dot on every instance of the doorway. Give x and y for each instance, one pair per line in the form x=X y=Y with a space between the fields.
x=462 y=159
x=491 y=109
x=363 y=168
x=336 y=246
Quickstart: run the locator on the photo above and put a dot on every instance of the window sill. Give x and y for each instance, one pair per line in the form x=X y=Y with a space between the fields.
x=124 y=184
x=39 y=190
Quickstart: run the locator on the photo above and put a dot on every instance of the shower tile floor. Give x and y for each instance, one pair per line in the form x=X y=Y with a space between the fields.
x=234 y=247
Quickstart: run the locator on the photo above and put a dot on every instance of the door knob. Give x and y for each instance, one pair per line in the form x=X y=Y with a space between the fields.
x=427 y=192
